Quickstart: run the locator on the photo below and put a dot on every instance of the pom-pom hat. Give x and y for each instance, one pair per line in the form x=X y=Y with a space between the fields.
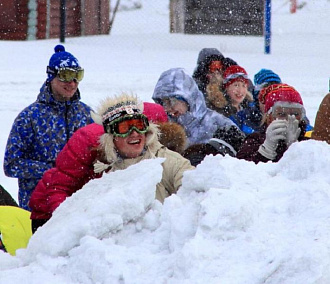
x=118 y=106
x=60 y=59
x=234 y=73
x=279 y=93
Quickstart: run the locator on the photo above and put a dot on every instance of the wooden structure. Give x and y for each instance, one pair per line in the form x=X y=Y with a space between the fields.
x=40 y=19
x=218 y=17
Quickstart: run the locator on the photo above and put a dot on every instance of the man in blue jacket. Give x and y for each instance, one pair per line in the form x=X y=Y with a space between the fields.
x=41 y=130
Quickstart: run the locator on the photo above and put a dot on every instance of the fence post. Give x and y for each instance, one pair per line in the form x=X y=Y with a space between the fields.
x=267 y=25
x=62 y=24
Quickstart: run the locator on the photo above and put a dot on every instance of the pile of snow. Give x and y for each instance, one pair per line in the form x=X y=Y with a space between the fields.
x=231 y=222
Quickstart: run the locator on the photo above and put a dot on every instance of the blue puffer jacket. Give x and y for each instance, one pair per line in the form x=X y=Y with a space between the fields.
x=38 y=134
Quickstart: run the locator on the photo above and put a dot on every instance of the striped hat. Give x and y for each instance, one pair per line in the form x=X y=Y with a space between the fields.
x=266 y=76
x=234 y=73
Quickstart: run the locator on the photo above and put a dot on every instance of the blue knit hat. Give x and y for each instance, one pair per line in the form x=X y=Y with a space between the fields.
x=60 y=59
x=265 y=76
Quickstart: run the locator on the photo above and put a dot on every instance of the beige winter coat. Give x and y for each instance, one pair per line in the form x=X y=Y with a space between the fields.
x=173 y=166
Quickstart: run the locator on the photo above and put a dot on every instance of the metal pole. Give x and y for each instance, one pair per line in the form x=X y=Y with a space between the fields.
x=62 y=24
x=268 y=6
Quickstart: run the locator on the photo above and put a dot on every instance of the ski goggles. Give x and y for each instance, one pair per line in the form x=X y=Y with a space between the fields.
x=235 y=76
x=70 y=74
x=123 y=126
x=215 y=66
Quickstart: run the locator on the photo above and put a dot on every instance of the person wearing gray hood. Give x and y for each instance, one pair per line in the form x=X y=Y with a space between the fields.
x=178 y=93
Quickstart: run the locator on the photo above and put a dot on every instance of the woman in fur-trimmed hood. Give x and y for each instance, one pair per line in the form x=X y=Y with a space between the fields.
x=127 y=139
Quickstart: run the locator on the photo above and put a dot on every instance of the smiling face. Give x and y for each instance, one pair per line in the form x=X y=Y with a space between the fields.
x=237 y=92
x=131 y=146
x=63 y=91
x=174 y=107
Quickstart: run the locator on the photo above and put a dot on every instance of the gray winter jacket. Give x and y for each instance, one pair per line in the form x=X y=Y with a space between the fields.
x=199 y=122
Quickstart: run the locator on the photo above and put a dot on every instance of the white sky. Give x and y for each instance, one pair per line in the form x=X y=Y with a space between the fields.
x=232 y=221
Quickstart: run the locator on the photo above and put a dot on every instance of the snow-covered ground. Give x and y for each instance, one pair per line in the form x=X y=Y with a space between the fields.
x=232 y=221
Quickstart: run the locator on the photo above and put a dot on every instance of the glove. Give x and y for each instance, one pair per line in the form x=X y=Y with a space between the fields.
x=100 y=167
x=293 y=130
x=275 y=132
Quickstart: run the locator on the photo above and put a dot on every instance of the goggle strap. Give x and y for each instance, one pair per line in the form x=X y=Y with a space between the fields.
x=235 y=76
x=51 y=70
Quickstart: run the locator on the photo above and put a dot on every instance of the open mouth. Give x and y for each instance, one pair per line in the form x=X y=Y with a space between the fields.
x=134 y=142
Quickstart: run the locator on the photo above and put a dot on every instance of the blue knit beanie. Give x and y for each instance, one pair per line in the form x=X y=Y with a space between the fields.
x=265 y=76
x=60 y=59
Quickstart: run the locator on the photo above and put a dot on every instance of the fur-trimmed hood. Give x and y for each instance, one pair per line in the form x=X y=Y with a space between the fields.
x=109 y=108
x=173 y=136
x=108 y=148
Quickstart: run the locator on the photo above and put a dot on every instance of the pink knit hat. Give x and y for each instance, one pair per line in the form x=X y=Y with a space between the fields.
x=154 y=112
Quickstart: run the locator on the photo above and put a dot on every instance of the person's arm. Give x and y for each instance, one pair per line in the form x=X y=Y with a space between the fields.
x=17 y=162
x=322 y=121
x=174 y=167
x=74 y=168
x=249 y=149
x=260 y=147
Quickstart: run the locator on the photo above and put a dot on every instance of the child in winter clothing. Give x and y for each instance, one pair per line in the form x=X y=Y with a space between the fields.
x=262 y=80
x=178 y=93
x=122 y=136
x=42 y=129
x=283 y=125
x=239 y=106
x=208 y=75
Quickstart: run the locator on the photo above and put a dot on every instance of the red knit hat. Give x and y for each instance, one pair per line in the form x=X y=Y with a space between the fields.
x=154 y=112
x=279 y=93
x=234 y=73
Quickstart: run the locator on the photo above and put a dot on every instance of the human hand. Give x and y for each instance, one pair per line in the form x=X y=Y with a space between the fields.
x=275 y=132
x=293 y=130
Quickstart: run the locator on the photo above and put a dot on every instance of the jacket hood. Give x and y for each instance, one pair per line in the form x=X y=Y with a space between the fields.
x=205 y=57
x=207 y=52
x=177 y=82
